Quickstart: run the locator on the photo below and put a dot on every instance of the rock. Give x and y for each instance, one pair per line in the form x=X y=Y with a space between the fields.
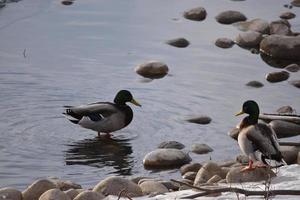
x=89 y=195
x=195 y=14
x=296 y=3
x=298 y=158
x=285 y=110
x=290 y=154
x=287 y=15
x=166 y=158
x=171 y=145
x=227 y=163
x=292 y=68
x=72 y=193
x=242 y=159
x=214 y=179
x=114 y=185
x=258 y=174
x=224 y=43
x=230 y=16
x=148 y=179
x=54 y=194
x=10 y=194
x=280 y=27
x=191 y=167
x=227 y=169
x=281 y=47
x=36 y=189
x=248 y=39
x=275 y=77
x=67 y=2
x=201 y=148
x=152 y=69
x=200 y=120
x=207 y=171
x=185 y=187
x=178 y=42
x=65 y=185
x=257 y=25
x=171 y=186
x=285 y=129
x=136 y=180
x=234 y=133
x=153 y=187
x=190 y=176
x=295 y=83
x=255 y=84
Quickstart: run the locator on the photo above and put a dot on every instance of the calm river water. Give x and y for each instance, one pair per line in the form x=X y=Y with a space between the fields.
x=53 y=55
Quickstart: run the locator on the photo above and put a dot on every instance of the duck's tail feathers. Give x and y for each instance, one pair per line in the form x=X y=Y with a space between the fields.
x=67 y=106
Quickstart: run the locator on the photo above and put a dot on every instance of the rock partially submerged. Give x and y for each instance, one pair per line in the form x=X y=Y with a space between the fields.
x=224 y=43
x=235 y=175
x=178 y=42
x=292 y=68
x=255 y=84
x=152 y=69
x=285 y=129
x=257 y=25
x=249 y=39
x=201 y=148
x=287 y=15
x=295 y=83
x=171 y=145
x=275 y=77
x=195 y=14
x=230 y=16
x=202 y=119
x=285 y=110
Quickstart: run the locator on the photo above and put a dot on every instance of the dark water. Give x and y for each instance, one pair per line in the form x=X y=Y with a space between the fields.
x=53 y=55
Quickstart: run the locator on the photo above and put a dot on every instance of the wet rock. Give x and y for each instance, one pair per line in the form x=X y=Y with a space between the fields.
x=54 y=194
x=178 y=42
x=281 y=47
x=149 y=187
x=10 y=194
x=214 y=179
x=67 y=2
x=280 y=27
x=287 y=15
x=171 y=145
x=290 y=154
x=295 y=83
x=275 y=77
x=258 y=174
x=201 y=148
x=298 y=158
x=255 y=84
x=72 y=193
x=242 y=159
x=64 y=184
x=207 y=171
x=248 y=39
x=296 y=3
x=166 y=158
x=114 y=185
x=230 y=16
x=285 y=129
x=224 y=43
x=257 y=25
x=200 y=120
x=190 y=176
x=234 y=133
x=36 y=189
x=195 y=14
x=292 y=68
x=152 y=69
x=191 y=167
x=285 y=110
x=89 y=195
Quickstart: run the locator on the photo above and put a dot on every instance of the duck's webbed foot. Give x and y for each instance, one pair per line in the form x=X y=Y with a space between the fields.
x=249 y=167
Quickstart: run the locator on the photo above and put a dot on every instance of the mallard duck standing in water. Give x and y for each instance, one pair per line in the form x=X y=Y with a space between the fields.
x=255 y=136
x=104 y=117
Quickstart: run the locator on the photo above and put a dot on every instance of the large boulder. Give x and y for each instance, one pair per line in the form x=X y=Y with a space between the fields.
x=166 y=158
x=89 y=195
x=248 y=39
x=281 y=47
x=10 y=194
x=114 y=185
x=230 y=16
x=54 y=194
x=207 y=171
x=235 y=175
x=279 y=76
x=178 y=42
x=257 y=25
x=36 y=189
x=149 y=187
x=195 y=14
x=285 y=129
x=152 y=69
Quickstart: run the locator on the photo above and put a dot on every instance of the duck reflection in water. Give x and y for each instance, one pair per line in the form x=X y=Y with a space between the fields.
x=101 y=153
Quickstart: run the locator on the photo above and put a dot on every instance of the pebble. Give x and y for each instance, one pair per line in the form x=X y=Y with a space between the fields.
x=287 y=15
x=190 y=176
x=149 y=187
x=166 y=158
x=207 y=171
x=257 y=25
x=201 y=148
x=8 y=193
x=195 y=14
x=292 y=68
x=230 y=16
x=36 y=189
x=224 y=43
x=290 y=154
x=280 y=27
x=178 y=42
x=285 y=110
x=295 y=83
x=171 y=145
x=203 y=119
x=72 y=193
x=89 y=195
x=114 y=185
x=248 y=39
x=275 y=77
x=255 y=84
x=258 y=174
x=285 y=129
x=152 y=69
x=54 y=194
x=191 y=167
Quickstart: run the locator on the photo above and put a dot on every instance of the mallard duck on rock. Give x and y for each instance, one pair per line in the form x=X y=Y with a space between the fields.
x=255 y=136
x=103 y=117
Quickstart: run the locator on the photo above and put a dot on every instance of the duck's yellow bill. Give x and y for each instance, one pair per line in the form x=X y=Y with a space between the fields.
x=239 y=113
x=133 y=101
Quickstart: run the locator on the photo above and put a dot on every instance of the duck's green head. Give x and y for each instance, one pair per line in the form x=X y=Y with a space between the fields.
x=124 y=96
x=250 y=107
